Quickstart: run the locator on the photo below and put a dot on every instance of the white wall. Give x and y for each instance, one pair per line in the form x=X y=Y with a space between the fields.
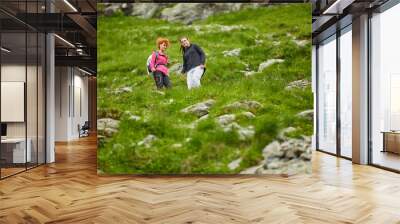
x=70 y=83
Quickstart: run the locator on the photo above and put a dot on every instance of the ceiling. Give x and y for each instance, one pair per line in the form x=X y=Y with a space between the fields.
x=74 y=22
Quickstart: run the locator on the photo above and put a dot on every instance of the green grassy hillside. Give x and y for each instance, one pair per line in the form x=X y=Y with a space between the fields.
x=124 y=44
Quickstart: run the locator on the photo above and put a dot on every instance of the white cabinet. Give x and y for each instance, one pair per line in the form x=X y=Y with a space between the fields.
x=19 y=155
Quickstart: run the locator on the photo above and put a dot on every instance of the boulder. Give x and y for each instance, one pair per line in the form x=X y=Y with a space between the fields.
x=145 y=10
x=107 y=126
x=243 y=132
x=308 y=114
x=231 y=53
x=248 y=114
x=189 y=12
x=244 y=104
x=289 y=157
x=275 y=164
x=202 y=118
x=246 y=133
x=225 y=119
x=111 y=9
x=301 y=84
x=147 y=141
x=176 y=68
x=234 y=164
x=273 y=149
x=199 y=109
x=252 y=170
x=268 y=63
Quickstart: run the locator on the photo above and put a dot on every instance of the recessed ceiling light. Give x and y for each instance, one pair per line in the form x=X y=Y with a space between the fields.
x=64 y=40
x=338 y=6
x=70 y=5
x=84 y=71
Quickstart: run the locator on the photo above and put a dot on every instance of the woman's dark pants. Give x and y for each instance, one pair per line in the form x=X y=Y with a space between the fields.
x=161 y=80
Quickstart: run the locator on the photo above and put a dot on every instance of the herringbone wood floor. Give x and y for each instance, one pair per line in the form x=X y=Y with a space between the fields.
x=70 y=191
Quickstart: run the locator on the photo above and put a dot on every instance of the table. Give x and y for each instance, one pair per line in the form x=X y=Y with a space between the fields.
x=13 y=150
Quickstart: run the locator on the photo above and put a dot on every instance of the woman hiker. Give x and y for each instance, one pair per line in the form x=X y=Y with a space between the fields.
x=158 y=64
x=193 y=62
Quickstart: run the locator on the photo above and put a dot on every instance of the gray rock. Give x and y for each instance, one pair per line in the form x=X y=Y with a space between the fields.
x=225 y=119
x=203 y=118
x=308 y=114
x=234 y=164
x=301 y=84
x=243 y=132
x=273 y=149
x=248 y=114
x=231 y=53
x=189 y=12
x=246 y=133
x=147 y=141
x=103 y=123
x=199 y=109
x=289 y=157
x=231 y=127
x=245 y=104
x=126 y=8
x=291 y=153
x=252 y=170
x=107 y=126
x=306 y=156
x=275 y=164
x=176 y=68
x=145 y=10
x=112 y=9
x=268 y=63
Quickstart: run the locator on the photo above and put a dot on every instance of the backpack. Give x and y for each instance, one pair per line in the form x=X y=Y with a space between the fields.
x=149 y=60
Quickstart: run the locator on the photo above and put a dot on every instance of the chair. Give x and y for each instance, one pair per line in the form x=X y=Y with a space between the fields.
x=84 y=130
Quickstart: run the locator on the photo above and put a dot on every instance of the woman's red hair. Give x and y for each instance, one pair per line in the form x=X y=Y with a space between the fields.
x=161 y=40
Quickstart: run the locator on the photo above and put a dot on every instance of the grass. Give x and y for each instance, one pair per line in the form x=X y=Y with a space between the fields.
x=124 y=44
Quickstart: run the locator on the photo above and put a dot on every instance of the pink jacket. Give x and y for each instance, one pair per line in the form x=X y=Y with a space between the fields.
x=160 y=64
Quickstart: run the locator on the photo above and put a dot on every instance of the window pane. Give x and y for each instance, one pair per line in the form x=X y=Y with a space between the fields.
x=15 y=151
x=346 y=92
x=327 y=96
x=385 y=114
